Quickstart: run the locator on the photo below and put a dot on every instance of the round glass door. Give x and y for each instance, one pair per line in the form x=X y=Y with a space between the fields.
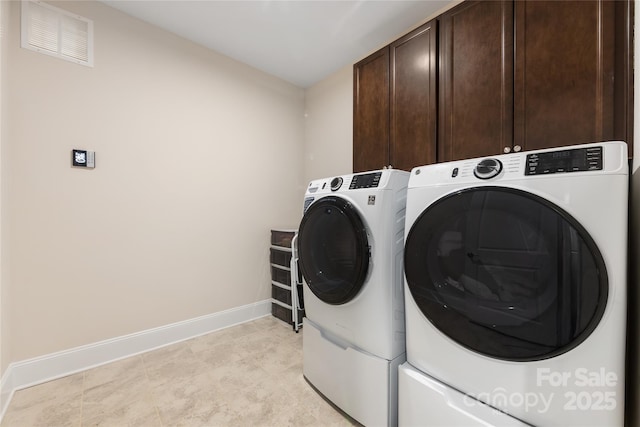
x=333 y=250
x=506 y=273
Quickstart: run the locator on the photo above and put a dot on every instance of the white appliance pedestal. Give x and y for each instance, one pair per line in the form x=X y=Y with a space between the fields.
x=362 y=385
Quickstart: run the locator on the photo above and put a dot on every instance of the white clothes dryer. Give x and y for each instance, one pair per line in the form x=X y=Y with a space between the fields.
x=350 y=246
x=516 y=280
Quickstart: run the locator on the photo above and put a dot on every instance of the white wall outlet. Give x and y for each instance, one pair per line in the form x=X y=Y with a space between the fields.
x=83 y=158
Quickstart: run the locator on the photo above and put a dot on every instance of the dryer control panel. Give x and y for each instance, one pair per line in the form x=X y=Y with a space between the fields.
x=575 y=160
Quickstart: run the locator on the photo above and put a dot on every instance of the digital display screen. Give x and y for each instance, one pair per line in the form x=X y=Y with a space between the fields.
x=367 y=180
x=576 y=160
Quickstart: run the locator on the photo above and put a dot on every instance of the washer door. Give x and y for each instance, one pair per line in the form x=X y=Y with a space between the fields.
x=505 y=273
x=333 y=250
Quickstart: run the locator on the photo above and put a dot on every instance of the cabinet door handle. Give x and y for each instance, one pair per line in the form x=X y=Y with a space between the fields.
x=517 y=148
x=507 y=150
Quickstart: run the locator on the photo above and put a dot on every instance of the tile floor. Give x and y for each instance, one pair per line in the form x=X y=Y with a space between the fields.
x=246 y=375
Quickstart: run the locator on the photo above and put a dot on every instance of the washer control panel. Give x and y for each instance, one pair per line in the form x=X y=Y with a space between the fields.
x=576 y=160
x=365 y=180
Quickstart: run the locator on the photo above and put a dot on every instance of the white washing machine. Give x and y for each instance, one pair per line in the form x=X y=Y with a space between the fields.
x=350 y=246
x=515 y=290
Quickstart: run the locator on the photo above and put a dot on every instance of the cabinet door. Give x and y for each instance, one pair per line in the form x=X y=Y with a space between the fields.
x=413 y=98
x=564 y=74
x=371 y=112
x=476 y=80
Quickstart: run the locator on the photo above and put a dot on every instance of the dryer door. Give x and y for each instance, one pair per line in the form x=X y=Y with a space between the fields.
x=333 y=250
x=506 y=273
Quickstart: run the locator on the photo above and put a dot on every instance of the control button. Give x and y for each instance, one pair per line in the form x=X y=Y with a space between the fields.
x=487 y=168
x=336 y=183
x=454 y=173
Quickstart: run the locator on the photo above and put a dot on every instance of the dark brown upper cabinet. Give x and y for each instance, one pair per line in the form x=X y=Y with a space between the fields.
x=414 y=61
x=496 y=77
x=395 y=110
x=371 y=112
x=476 y=80
x=564 y=75
x=564 y=82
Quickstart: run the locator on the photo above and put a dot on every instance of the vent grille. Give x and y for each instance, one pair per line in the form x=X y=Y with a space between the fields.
x=56 y=32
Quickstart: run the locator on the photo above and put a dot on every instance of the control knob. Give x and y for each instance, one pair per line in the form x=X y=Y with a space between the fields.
x=336 y=183
x=487 y=168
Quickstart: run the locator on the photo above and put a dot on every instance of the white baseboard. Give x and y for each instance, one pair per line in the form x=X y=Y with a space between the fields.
x=41 y=369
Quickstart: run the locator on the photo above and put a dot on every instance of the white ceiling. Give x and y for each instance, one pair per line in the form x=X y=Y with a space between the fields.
x=299 y=41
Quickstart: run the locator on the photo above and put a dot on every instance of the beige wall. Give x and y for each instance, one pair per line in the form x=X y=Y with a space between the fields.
x=4 y=265
x=329 y=126
x=189 y=144
x=197 y=156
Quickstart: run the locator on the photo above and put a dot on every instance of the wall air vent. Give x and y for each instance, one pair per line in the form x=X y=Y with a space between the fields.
x=56 y=32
